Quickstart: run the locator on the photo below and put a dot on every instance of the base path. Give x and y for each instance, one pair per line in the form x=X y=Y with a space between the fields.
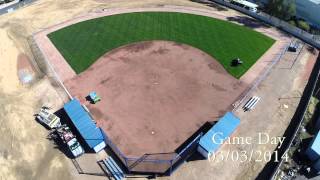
x=156 y=94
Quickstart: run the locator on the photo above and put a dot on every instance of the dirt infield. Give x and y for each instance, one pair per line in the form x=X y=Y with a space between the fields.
x=155 y=94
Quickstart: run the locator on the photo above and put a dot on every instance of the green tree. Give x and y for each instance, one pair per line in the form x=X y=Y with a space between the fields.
x=290 y=9
x=283 y=9
x=273 y=6
x=292 y=22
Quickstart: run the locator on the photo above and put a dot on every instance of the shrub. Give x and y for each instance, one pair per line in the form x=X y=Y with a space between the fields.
x=292 y=22
x=303 y=25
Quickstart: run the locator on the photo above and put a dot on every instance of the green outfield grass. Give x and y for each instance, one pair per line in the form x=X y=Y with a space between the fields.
x=83 y=43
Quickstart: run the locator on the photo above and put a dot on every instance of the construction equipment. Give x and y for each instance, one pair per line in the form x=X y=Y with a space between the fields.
x=70 y=140
x=94 y=97
x=293 y=46
x=48 y=118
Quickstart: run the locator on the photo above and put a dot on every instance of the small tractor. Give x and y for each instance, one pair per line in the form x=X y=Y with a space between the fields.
x=94 y=97
x=236 y=62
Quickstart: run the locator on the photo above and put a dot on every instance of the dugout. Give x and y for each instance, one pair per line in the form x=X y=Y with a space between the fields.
x=215 y=137
x=85 y=125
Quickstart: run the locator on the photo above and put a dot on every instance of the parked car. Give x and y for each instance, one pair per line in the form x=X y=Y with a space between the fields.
x=70 y=140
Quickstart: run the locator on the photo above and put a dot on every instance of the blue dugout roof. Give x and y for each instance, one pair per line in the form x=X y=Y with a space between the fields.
x=84 y=123
x=213 y=139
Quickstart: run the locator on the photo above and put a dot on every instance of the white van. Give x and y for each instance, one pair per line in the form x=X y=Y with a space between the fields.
x=246 y=4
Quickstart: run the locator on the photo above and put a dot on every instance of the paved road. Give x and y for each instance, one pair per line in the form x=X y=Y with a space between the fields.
x=15 y=6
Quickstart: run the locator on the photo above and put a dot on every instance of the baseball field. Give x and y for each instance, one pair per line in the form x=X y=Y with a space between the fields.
x=83 y=43
x=161 y=75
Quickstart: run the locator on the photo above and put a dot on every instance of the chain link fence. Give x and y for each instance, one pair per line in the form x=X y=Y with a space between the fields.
x=156 y=163
x=45 y=68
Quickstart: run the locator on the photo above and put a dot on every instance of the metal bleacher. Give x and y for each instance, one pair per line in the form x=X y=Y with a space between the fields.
x=113 y=168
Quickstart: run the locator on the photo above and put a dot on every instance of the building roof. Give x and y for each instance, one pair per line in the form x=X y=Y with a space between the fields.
x=215 y=137
x=84 y=123
x=250 y=4
x=247 y=3
x=315 y=1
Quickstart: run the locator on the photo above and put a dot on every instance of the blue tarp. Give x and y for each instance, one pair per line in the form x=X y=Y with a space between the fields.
x=84 y=123
x=213 y=139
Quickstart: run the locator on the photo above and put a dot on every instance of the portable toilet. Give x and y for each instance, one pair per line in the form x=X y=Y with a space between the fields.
x=316 y=166
x=313 y=151
x=215 y=137
x=317 y=122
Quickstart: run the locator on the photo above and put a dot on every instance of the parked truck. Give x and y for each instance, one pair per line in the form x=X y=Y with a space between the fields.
x=49 y=119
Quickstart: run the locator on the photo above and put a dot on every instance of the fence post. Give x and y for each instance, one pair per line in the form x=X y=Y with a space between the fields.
x=126 y=162
x=171 y=164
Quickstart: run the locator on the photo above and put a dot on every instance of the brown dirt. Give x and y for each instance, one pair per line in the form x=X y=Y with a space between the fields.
x=23 y=62
x=24 y=66
x=159 y=87
x=309 y=66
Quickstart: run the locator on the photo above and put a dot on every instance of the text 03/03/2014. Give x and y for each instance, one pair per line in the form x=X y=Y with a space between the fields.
x=249 y=156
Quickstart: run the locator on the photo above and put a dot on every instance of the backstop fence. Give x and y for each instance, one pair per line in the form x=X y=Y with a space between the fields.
x=312 y=39
x=157 y=163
